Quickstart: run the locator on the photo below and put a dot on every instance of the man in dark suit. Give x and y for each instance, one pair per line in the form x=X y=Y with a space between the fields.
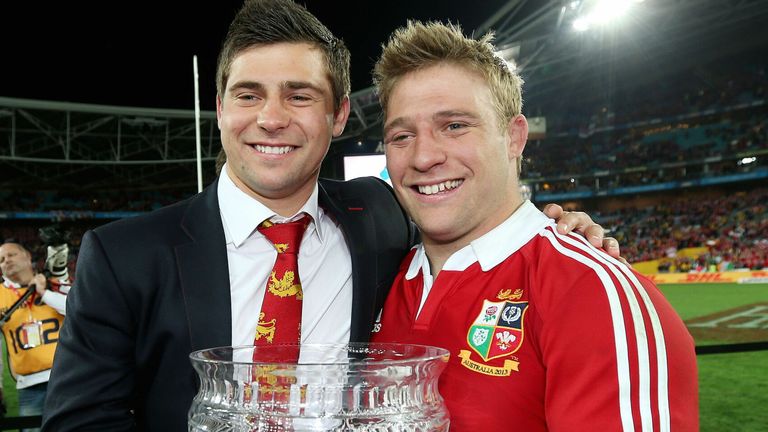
x=154 y=288
x=149 y=290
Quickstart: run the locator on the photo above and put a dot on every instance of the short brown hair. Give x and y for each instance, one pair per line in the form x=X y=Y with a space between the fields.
x=265 y=22
x=419 y=45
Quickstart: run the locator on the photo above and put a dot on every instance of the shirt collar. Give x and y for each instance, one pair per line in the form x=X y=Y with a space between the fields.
x=418 y=262
x=517 y=230
x=241 y=213
x=10 y=284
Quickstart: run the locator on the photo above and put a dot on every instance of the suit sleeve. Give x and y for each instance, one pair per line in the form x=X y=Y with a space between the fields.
x=92 y=383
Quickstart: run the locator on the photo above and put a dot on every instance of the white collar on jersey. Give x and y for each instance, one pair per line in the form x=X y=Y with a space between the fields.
x=241 y=213
x=517 y=230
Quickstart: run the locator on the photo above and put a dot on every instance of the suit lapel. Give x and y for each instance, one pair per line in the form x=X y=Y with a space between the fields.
x=360 y=234
x=204 y=273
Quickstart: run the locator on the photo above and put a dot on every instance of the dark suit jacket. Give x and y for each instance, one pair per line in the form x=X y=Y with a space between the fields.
x=151 y=289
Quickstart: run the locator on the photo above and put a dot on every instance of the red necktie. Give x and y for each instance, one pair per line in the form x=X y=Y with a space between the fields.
x=280 y=317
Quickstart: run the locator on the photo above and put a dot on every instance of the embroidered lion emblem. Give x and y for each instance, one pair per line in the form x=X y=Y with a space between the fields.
x=265 y=328
x=284 y=286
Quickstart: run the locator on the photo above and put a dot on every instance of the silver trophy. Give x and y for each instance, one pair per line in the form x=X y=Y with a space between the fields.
x=353 y=387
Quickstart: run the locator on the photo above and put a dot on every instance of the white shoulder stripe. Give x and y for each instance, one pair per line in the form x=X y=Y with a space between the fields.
x=644 y=379
x=622 y=353
x=622 y=274
x=658 y=333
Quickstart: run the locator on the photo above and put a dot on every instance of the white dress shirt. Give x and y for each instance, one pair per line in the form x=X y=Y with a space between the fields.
x=325 y=267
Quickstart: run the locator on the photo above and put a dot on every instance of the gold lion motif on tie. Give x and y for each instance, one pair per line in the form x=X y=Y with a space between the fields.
x=265 y=328
x=284 y=287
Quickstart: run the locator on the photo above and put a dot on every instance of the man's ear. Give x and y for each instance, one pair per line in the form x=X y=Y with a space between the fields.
x=340 y=117
x=517 y=130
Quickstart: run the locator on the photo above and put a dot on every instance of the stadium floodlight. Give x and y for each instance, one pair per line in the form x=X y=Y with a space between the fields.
x=607 y=11
x=602 y=12
x=581 y=24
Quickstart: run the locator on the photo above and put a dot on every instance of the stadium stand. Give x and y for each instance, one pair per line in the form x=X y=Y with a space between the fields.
x=700 y=137
x=667 y=166
x=731 y=229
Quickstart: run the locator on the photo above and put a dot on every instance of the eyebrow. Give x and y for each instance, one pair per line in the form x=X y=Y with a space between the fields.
x=290 y=85
x=250 y=85
x=453 y=113
x=393 y=124
x=440 y=115
x=300 y=85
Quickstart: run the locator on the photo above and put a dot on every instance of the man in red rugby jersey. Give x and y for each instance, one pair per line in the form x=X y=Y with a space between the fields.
x=546 y=332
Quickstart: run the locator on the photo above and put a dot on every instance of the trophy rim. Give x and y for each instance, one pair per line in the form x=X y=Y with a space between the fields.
x=427 y=353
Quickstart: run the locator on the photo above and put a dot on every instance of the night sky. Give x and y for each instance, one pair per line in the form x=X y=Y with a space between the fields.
x=139 y=53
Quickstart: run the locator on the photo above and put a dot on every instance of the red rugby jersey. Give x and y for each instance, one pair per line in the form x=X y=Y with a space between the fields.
x=547 y=333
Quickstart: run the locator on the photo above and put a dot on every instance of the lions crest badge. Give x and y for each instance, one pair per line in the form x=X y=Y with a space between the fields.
x=498 y=329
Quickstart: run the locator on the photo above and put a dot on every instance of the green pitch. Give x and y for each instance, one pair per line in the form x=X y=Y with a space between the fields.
x=693 y=300
x=733 y=388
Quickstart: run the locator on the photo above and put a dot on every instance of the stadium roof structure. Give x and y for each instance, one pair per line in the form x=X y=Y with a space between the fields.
x=656 y=39
x=71 y=145
x=55 y=144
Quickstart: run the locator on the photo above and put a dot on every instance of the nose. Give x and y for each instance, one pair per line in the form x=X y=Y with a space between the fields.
x=273 y=116
x=428 y=152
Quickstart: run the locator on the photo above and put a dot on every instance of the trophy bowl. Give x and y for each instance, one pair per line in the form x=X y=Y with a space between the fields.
x=373 y=387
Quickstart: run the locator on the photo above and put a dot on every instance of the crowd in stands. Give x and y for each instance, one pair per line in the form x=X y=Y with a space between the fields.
x=696 y=124
x=94 y=201
x=733 y=228
x=720 y=85
x=713 y=146
x=73 y=212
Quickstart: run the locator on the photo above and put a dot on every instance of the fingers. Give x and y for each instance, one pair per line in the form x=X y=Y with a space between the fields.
x=596 y=235
x=611 y=245
x=579 y=222
x=553 y=211
x=39 y=283
x=582 y=223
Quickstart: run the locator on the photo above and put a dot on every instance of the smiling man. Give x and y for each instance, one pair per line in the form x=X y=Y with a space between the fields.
x=194 y=275
x=546 y=332
x=199 y=274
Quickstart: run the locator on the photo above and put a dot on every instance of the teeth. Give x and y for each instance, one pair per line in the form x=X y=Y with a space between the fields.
x=272 y=149
x=440 y=187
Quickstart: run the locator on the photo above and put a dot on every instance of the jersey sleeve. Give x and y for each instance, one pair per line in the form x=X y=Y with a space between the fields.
x=617 y=356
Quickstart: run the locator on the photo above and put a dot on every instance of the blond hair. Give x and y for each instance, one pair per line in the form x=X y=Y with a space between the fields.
x=419 y=45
